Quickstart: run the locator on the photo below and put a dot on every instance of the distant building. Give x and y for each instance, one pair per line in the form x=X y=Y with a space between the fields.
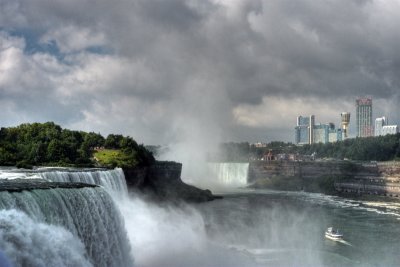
x=379 y=123
x=345 y=120
x=336 y=135
x=326 y=133
x=259 y=145
x=390 y=129
x=321 y=133
x=304 y=131
x=307 y=132
x=382 y=127
x=364 y=117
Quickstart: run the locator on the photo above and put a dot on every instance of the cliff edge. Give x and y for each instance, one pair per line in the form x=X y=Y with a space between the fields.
x=162 y=180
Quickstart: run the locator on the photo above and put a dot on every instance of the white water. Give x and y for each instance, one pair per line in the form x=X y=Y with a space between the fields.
x=228 y=174
x=82 y=226
x=112 y=180
x=159 y=235
x=244 y=230
x=28 y=242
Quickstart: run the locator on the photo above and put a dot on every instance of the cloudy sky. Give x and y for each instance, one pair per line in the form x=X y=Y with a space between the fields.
x=169 y=71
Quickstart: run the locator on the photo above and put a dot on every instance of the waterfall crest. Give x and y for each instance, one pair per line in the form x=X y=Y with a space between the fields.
x=230 y=174
x=111 y=180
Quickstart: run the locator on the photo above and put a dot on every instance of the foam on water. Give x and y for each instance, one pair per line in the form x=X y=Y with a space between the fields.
x=12 y=174
x=384 y=208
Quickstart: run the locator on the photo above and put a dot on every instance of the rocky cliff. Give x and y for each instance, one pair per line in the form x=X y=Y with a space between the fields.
x=327 y=176
x=162 y=180
x=381 y=178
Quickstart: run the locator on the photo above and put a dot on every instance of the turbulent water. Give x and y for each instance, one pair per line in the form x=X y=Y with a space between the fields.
x=63 y=227
x=245 y=228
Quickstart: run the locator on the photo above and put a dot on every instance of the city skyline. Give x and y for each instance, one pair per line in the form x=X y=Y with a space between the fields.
x=307 y=131
x=197 y=72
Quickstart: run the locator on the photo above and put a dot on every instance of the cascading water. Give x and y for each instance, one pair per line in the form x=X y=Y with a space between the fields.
x=27 y=242
x=81 y=218
x=230 y=174
x=111 y=180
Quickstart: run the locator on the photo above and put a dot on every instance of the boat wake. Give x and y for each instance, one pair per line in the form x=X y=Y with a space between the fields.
x=342 y=241
x=345 y=242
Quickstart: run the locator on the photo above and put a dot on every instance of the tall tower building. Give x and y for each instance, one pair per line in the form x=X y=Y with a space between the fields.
x=304 y=131
x=364 y=117
x=345 y=123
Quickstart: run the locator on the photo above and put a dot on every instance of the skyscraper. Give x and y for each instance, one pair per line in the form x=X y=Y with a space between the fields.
x=364 y=117
x=304 y=131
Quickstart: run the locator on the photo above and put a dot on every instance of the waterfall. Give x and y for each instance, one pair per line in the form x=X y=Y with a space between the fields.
x=230 y=174
x=27 y=242
x=88 y=213
x=64 y=227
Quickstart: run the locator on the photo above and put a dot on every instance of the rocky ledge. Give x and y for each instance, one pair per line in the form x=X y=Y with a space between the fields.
x=18 y=185
x=163 y=181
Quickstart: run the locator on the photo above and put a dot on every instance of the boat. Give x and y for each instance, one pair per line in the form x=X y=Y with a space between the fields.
x=333 y=234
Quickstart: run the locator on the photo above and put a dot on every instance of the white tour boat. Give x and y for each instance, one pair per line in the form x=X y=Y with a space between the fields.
x=333 y=234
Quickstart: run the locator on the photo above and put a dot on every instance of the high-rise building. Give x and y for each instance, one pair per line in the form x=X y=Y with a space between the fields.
x=307 y=132
x=379 y=123
x=327 y=133
x=321 y=133
x=345 y=116
x=364 y=117
x=304 y=131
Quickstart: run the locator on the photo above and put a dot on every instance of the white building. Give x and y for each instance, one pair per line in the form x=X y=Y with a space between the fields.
x=390 y=129
x=382 y=127
x=379 y=123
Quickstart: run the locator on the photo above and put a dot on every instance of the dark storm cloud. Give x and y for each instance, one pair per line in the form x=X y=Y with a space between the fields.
x=150 y=66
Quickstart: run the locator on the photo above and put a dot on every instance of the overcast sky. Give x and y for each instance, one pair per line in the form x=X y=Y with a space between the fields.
x=169 y=71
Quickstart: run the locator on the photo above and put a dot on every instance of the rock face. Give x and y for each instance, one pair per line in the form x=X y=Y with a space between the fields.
x=381 y=178
x=300 y=169
x=163 y=181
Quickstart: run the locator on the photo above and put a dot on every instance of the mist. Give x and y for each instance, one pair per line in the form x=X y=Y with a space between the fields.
x=239 y=231
x=173 y=236
x=26 y=241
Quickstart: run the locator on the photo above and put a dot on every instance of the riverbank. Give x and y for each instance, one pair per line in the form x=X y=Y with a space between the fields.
x=329 y=177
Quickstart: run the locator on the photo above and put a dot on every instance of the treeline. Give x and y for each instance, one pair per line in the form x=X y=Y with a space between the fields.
x=381 y=148
x=48 y=144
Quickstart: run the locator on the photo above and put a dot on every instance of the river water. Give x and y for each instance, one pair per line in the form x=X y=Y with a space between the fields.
x=272 y=228
x=245 y=228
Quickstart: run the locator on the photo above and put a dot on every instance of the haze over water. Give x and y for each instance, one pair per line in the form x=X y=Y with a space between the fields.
x=268 y=228
x=245 y=228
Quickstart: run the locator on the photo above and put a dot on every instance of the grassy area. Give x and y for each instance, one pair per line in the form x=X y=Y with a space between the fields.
x=113 y=157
